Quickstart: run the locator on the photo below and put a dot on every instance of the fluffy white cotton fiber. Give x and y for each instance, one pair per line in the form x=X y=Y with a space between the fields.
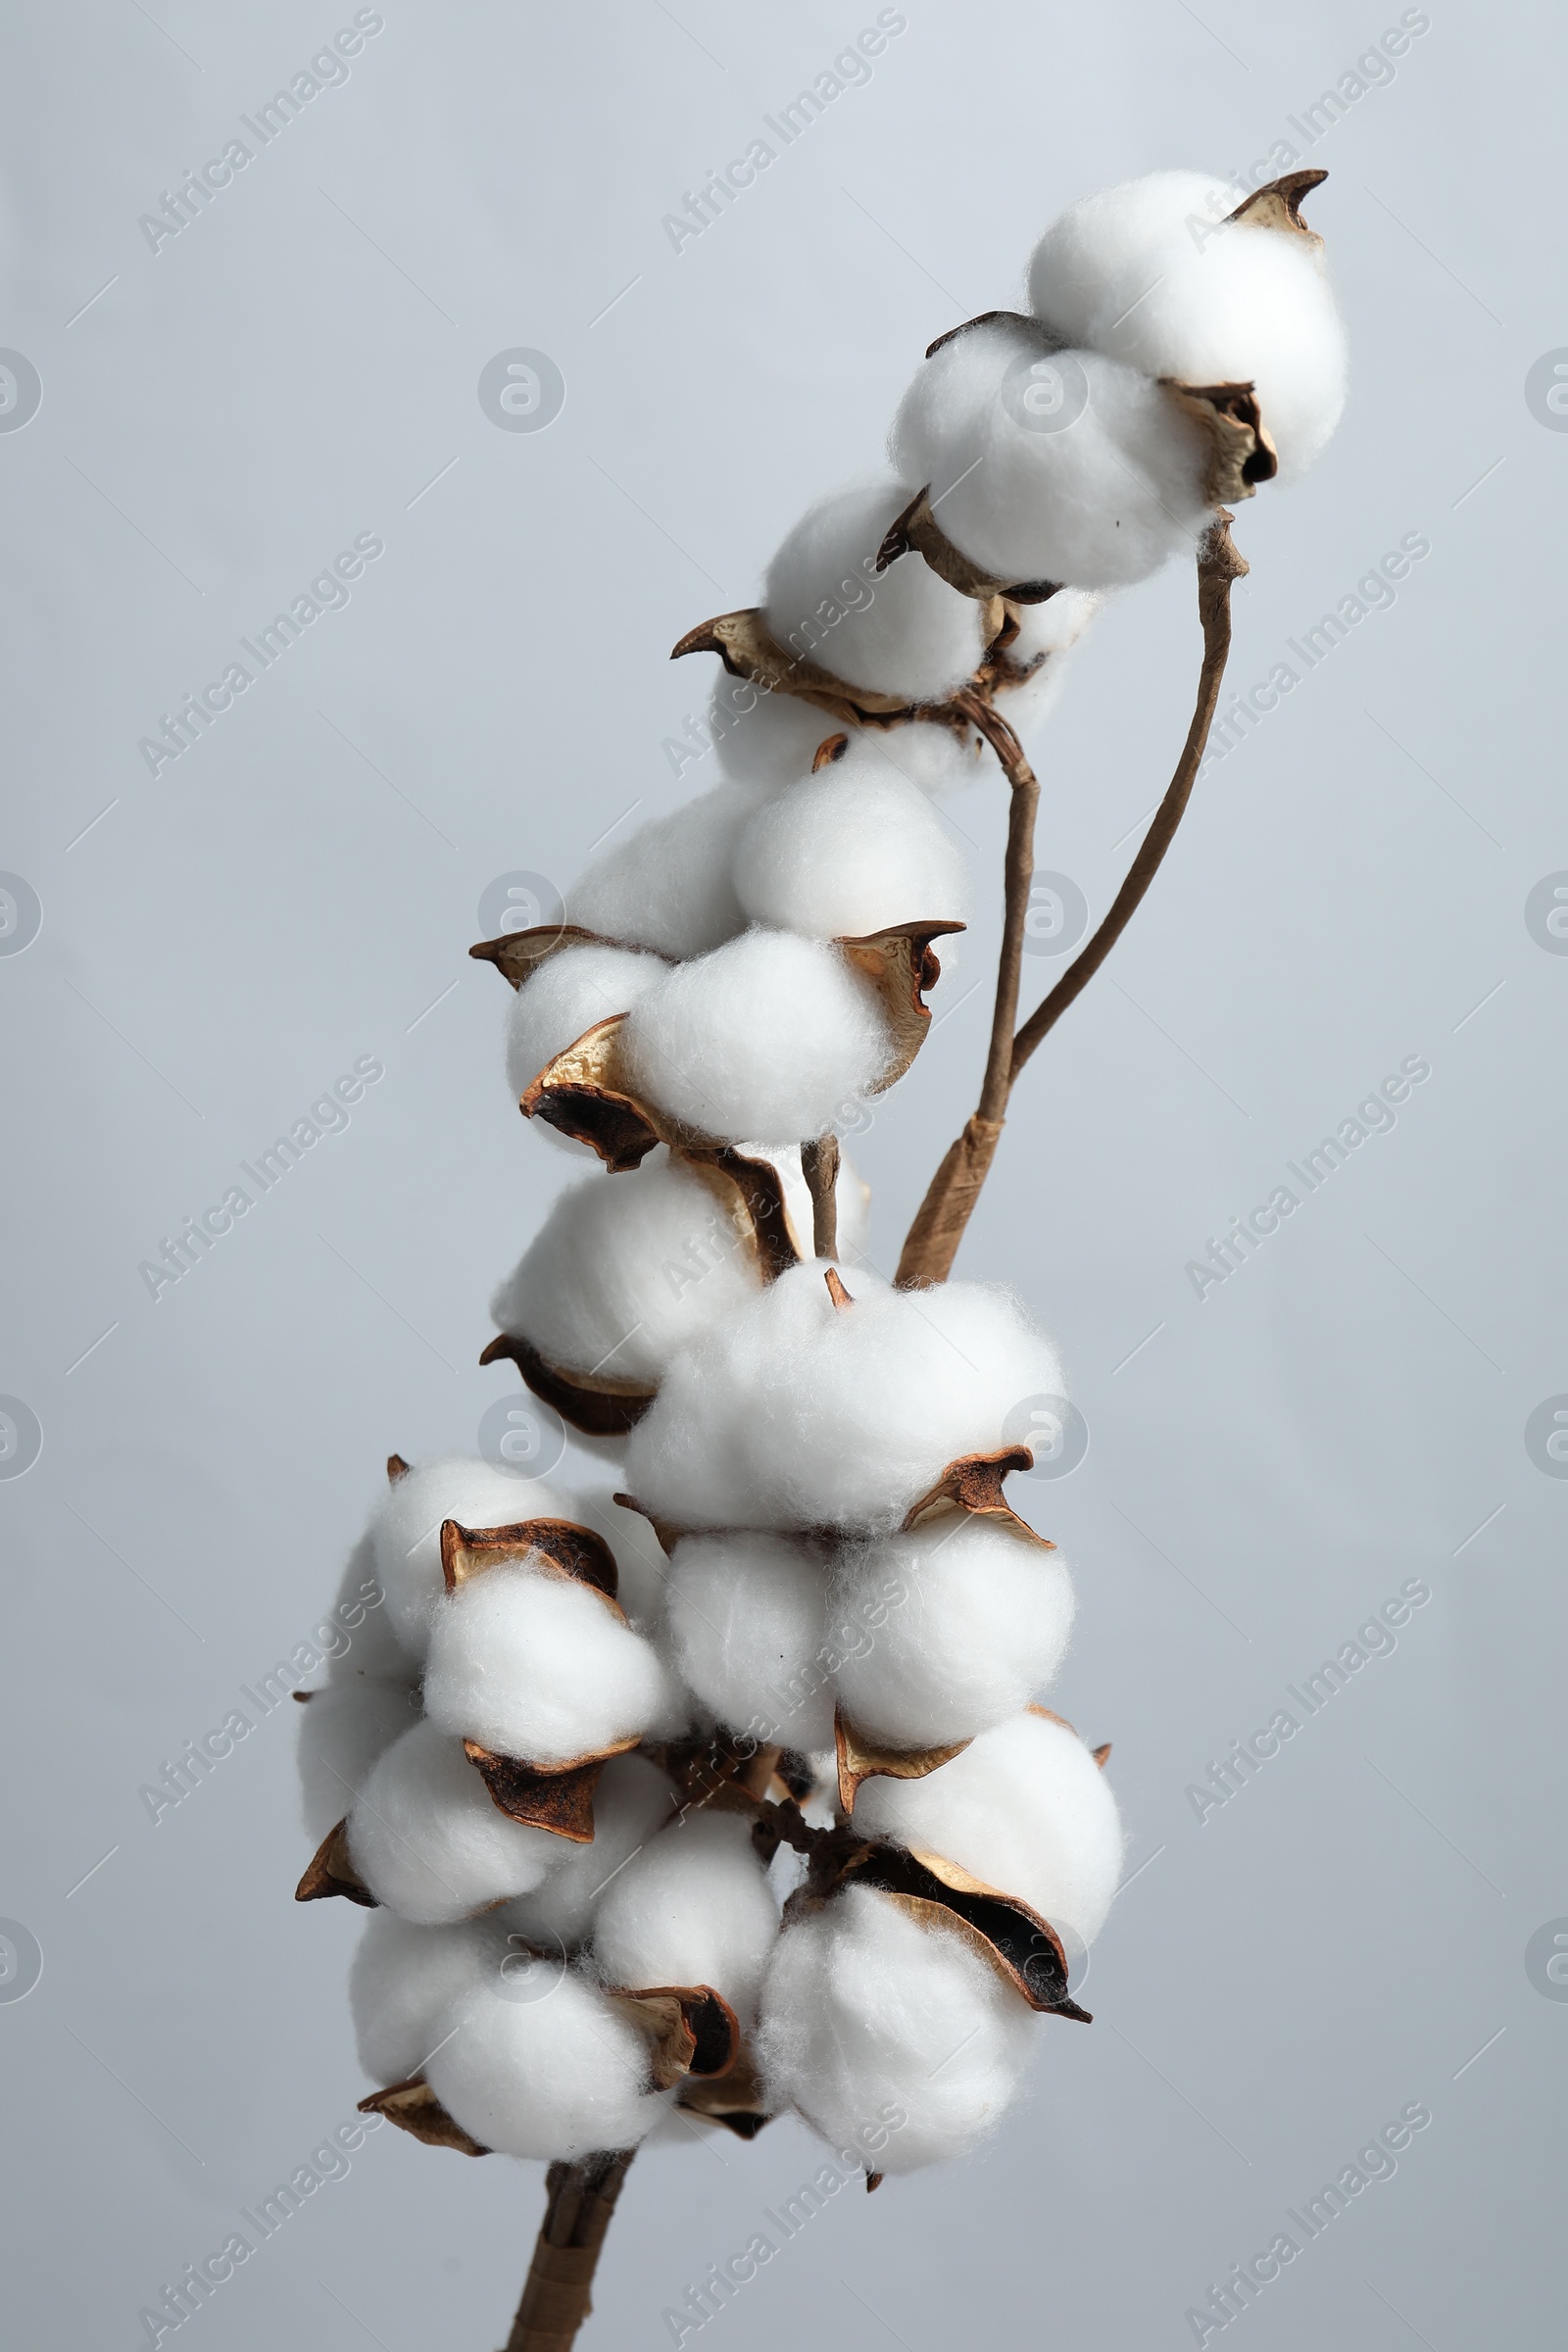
x=402 y=1982
x=981 y=1629
x=406 y=1529
x=531 y=1664
x=1026 y=1808
x=764 y=1041
x=902 y=631
x=632 y=1803
x=667 y=886
x=842 y=856
x=625 y=1268
x=426 y=1839
x=567 y=993
x=358 y=1634
x=694 y=1908
x=1098 y=500
x=766 y=740
x=747 y=1622
x=797 y=1414
x=343 y=1730
x=556 y=2078
x=1147 y=273
x=877 y=2027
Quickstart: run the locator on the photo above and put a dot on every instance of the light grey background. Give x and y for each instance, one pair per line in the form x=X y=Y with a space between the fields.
x=300 y=365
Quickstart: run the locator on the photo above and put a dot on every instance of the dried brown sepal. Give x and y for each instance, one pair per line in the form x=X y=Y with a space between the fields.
x=1023 y=1949
x=831 y=747
x=901 y=964
x=734 y=2099
x=669 y=1534
x=575 y=1554
x=558 y=1797
x=330 y=1871
x=396 y=1468
x=1240 y=449
x=1102 y=1753
x=916 y=531
x=836 y=1291
x=742 y=643
x=984 y=318
x=1277 y=203
x=859 y=1759
x=413 y=2107
x=578 y=1094
x=973 y=1483
x=752 y=1190
x=874 y=2180
x=695 y=2031
x=304 y=1696
x=593 y=1402
x=517 y=954
x=723 y=1774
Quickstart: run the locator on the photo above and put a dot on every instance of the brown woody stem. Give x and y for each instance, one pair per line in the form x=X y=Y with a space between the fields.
x=944 y=1212
x=581 y=2197
x=819 y=1165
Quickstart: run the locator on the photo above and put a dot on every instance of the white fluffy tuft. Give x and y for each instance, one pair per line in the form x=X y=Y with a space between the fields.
x=427 y=1841
x=748 y=1619
x=406 y=1529
x=667 y=886
x=402 y=1981
x=343 y=1730
x=895 y=2041
x=569 y=993
x=902 y=631
x=694 y=1908
x=532 y=1664
x=844 y=855
x=762 y=1041
x=1026 y=1808
x=766 y=740
x=632 y=1803
x=556 y=2078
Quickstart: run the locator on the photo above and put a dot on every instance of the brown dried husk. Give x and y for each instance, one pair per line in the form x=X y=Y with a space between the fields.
x=916 y=531
x=329 y=1871
x=743 y=644
x=1009 y=1935
x=863 y=1759
x=558 y=1547
x=694 y=2031
x=413 y=2107
x=592 y=1401
x=1277 y=204
x=1240 y=451
x=735 y=2099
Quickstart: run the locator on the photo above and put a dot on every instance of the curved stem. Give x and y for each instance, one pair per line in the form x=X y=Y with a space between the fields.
x=944 y=1212
x=581 y=2197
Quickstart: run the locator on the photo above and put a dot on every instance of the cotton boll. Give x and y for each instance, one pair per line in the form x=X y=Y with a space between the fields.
x=895 y=2041
x=1145 y=273
x=404 y=1978
x=765 y=1039
x=534 y=1665
x=694 y=1908
x=429 y=1842
x=794 y=1413
x=569 y=993
x=667 y=886
x=766 y=740
x=1025 y=1808
x=556 y=2078
x=406 y=1529
x=1101 y=498
x=748 y=1617
x=625 y=1268
x=961 y=1624
x=934 y=758
x=902 y=631
x=632 y=1803
x=365 y=1647
x=839 y=857
x=343 y=1730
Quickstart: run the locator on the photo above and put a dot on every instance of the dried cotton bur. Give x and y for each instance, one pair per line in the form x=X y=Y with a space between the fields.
x=735 y=1792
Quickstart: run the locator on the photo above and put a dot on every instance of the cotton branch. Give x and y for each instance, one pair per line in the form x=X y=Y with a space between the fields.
x=944 y=1212
x=555 y=2300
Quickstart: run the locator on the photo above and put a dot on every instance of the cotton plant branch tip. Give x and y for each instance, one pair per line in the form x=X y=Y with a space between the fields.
x=415 y=2108
x=598 y=1405
x=558 y=1547
x=860 y=1759
x=330 y=1871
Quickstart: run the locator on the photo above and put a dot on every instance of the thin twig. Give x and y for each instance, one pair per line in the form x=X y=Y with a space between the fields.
x=819 y=1165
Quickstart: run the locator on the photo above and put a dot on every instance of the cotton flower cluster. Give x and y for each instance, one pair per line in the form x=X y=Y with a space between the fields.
x=737 y=1793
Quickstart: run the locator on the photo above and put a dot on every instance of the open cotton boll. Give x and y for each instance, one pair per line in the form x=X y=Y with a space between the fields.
x=766 y=740
x=902 y=631
x=795 y=1413
x=895 y=2040
x=694 y=1908
x=567 y=993
x=839 y=857
x=980 y=1625
x=532 y=1664
x=626 y=1268
x=1026 y=1808
x=343 y=1730
x=1050 y=465
x=554 y=2079
x=747 y=1619
x=764 y=1041
x=405 y=1528
x=429 y=1842
x=1147 y=273
x=632 y=1803
x=402 y=1981
x=667 y=886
